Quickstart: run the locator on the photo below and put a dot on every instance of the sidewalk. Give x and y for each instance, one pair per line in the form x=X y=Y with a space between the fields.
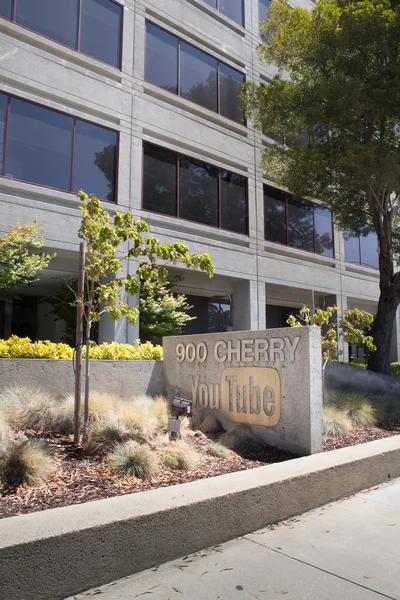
x=349 y=550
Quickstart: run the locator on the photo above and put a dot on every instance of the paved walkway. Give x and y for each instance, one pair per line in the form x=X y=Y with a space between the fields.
x=349 y=550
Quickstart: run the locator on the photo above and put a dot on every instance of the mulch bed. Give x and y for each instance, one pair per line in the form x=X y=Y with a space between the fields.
x=358 y=435
x=80 y=478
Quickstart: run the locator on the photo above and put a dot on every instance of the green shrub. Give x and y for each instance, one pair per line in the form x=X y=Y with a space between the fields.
x=395 y=369
x=336 y=423
x=358 y=407
x=25 y=463
x=130 y=458
x=218 y=450
x=16 y=347
x=181 y=456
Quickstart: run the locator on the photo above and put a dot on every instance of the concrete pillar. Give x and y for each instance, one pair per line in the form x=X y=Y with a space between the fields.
x=119 y=331
x=246 y=305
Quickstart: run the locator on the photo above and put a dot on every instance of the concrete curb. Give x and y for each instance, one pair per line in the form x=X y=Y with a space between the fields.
x=59 y=552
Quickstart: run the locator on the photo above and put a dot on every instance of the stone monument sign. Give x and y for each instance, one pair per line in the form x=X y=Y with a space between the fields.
x=269 y=380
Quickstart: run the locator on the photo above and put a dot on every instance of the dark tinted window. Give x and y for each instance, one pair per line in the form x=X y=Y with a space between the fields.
x=56 y=19
x=233 y=191
x=198 y=76
x=39 y=145
x=231 y=82
x=95 y=160
x=301 y=225
x=6 y=9
x=198 y=194
x=3 y=117
x=323 y=231
x=232 y=9
x=369 y=250
x=212 y=3
x=159 y=180
x=275 y=215
x=161 y=58
x=101 y=30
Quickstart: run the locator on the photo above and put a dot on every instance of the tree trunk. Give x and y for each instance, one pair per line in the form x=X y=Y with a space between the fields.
x=379 y=361
x=78 y=346
x=87 y=385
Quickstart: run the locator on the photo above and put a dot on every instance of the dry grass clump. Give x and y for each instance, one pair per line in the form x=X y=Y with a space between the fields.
x=130 y=458
x=336 y=422
x=25 y=463
x=358 y=407
x=27 y=408
x=145 y=413
x=181 y=456
x=105 y=435
x=5 y=430
x=210 y=425
x=240 y=438
x=218 y=451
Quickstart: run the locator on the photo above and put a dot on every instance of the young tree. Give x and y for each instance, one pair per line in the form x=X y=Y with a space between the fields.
x=161 y=312
x=19 y=260
x=336 y=101
x=108 y=244
x=352 y=326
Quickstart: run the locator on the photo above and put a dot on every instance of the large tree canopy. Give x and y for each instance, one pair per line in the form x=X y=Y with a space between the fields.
x=335 y=103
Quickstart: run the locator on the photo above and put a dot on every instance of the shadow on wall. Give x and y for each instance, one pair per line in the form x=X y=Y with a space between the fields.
x=380 y=388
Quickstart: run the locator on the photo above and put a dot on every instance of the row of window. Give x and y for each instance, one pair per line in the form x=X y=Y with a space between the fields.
x=93 y=27
x=42 y=146
x=45 y=147
x=182 y=69
x=183 y=187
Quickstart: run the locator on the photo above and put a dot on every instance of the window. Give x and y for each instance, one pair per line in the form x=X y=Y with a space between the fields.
x=362 y=250
x=263 y=7
x=6 y=9
x=49 y=148
x=95 y=160
x=230 y=85
x=161 y=58
x=160 y=180
x=177 y=185
x=198 y=191
x=3 y=120
x=93 y=27
x=182 y=69
x=212 y=315
x=101 y=30
x=277 y=316
x=233 y=189
x=55 y=19
x=39 y=145
x=297 y=223
x=275 y=215
x=198 y=77
x=230 y=8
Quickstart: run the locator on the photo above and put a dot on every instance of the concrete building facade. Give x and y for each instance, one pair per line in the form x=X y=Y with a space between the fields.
x=135 y=101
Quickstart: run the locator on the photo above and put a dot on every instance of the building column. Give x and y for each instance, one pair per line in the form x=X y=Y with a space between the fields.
x=249 y=306
x=121 y=331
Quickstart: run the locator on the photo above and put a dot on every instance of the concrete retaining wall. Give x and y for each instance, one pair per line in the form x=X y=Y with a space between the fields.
x=379 y=387
x=123 y=377
x=56 y=553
